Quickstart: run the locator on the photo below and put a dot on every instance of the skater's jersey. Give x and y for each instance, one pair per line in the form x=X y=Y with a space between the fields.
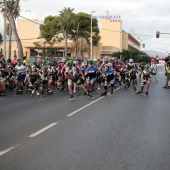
x=20 y=69
x=131 y=66
x=133 y=74
x=34 y=75
x=145 y=75
x=109 y=74
x=92 y=71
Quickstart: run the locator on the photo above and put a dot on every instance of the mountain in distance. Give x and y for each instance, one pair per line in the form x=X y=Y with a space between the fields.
x=153 y=53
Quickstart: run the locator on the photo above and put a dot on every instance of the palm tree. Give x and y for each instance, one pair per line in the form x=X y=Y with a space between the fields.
x=67 y=23
x=12 y=11
x=1 y=41
x=9 y=33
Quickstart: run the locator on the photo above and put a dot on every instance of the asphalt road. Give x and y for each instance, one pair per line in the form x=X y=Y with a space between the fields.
x=119 y=132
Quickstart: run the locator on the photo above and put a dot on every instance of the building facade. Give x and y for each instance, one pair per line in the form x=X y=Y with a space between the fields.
x=113 y=39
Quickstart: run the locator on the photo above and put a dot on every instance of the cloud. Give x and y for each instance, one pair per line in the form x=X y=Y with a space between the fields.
x=143 y=16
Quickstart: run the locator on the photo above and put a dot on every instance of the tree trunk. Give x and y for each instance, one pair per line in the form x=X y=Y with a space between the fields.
x=76 y=46
x=17 y=39
x=66 y=35
x=89 y=50
x=10 y=39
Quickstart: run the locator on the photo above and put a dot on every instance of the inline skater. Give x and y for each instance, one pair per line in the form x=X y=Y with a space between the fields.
x=153 y=70
x=51 y=71
x=71 y=78
x=133 y=78
x=2 y=84
x=91 y=76
x=10 y=78
x=21 y=74
x=145 y=80
x=33 y=80
x=109 y=77
x=44 y=78
x=132 y=67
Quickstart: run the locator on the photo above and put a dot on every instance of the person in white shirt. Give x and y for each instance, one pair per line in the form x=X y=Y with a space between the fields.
x=21 y=74
x=153 y=70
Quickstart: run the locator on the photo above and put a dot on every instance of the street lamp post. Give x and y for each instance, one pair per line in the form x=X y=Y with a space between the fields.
x=91 y=44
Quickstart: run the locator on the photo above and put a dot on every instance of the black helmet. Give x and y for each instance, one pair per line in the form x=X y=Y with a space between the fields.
x=167 y=59
x=19 y=61
x=90 y=62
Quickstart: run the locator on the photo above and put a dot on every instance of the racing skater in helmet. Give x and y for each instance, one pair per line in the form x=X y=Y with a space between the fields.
x=145 y=80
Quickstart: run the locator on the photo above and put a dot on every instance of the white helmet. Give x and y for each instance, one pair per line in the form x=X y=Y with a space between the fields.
x=106 y=65
x=63 y=60
x=84 y=63
x=130 y=60
x=110 y=64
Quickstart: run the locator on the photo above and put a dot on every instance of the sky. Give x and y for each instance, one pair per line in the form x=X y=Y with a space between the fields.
x=141 y=18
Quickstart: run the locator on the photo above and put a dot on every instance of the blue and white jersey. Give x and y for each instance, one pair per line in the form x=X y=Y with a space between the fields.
x=91 y=71
x=109 y=74
x=20 y=69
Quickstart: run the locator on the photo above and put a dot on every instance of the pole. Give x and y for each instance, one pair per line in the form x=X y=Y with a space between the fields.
x=5 y=4
x=91 y=44
x=121 y=36
x=77 y=39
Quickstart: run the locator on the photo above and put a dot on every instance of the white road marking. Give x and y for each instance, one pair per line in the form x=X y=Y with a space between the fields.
x=78 y=110
x=9 y=149
x=42 y=130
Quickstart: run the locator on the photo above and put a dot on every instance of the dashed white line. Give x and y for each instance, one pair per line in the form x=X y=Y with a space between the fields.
x=9 y=149
x=78 y=110
x=42 y=130
x=53 y=124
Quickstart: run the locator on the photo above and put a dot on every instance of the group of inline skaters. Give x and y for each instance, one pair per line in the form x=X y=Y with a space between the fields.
x=74 y=75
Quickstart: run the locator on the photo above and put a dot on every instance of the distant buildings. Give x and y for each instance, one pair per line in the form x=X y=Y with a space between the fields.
x=113 y=39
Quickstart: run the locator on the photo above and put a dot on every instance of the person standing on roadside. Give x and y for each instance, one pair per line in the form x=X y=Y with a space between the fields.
x=145 y=80
x=168 y=75
x=167 y=60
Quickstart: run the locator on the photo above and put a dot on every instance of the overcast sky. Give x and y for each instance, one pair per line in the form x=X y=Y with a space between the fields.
x=144 y=17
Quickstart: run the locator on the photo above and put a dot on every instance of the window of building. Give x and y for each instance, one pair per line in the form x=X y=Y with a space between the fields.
x=100 y=25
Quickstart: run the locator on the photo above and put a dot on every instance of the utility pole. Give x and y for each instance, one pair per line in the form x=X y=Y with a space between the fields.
x=91 y=44
x=121 y=45
x=5 y=13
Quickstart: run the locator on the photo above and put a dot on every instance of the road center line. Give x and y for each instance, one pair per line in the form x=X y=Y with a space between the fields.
x=76 y=111
x=9 y=149
x=42 y=130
